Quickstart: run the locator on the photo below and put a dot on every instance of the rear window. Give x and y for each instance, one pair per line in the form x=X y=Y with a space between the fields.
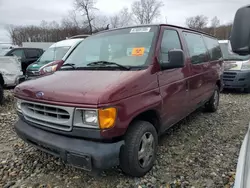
x=213 y=48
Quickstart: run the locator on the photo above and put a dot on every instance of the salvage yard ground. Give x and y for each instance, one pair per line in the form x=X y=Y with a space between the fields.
x=201 y=151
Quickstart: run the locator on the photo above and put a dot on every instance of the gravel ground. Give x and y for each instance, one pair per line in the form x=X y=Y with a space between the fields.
x=201 y=151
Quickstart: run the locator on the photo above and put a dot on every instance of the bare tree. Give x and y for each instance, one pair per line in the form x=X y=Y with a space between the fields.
x=86 y=7
x=215 y=22
x=100 y=21
x=121 y=19
x=146 y=11
x=198 y=22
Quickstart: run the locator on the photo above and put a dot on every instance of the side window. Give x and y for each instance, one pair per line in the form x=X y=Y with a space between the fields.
x=18 y=53
x=213 y=48
x=170 y=40
x=196 y=47
x=32 y=53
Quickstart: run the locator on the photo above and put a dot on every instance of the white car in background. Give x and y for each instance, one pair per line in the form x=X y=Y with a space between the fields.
x=10 y=73
x=53 y=58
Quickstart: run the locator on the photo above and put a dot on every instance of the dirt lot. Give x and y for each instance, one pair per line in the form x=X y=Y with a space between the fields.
x=200 y=151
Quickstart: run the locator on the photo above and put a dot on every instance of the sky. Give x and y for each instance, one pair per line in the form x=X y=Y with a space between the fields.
x=27 y=12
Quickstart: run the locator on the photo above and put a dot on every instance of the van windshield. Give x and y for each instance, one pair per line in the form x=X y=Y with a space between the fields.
x=231 y=56
x=130 y=47
x=53 y=54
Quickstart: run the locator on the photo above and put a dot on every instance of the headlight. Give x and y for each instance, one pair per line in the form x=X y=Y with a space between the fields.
x=245 y=65
x=18 y=105
x=50 y=69
x=97 y=119
x=90 y=117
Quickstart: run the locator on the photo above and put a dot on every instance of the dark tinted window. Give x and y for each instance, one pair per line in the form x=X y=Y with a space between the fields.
x=32 y=53
x=196 y=47
x=213 y=48
x=18 y=53
x=170 y=40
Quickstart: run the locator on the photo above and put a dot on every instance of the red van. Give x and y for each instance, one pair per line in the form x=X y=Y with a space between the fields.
x=117 y=92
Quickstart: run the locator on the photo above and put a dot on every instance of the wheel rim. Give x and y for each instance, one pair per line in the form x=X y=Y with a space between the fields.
x=146 y=150
x=216 y=98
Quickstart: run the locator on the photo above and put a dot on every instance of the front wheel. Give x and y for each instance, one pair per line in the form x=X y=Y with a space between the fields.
x=138 y=154
x=213 y=103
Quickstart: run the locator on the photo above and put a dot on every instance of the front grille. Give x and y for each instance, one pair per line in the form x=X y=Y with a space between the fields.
x=57 y=117
x=33 y=73
x=229 y=76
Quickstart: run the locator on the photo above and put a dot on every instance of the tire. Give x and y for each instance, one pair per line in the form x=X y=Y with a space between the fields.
x=213 y=103
x=1 y=95
x=141 y=138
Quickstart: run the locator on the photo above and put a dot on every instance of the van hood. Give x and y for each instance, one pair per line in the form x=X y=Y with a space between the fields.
x=36 y=66
x=87 y=87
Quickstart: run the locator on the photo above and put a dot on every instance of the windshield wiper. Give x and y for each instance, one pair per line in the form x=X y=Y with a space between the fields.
x=108 y=63
x=69 y=65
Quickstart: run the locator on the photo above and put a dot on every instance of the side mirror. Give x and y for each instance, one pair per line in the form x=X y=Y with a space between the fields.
x=240 y=34
x=176 y=59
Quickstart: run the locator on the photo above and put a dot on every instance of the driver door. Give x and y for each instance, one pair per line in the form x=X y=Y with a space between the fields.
x=173 y=82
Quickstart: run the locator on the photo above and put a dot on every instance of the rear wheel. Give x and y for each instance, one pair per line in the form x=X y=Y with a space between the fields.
x=138 y=154
x=213 y=103
x=1 y=94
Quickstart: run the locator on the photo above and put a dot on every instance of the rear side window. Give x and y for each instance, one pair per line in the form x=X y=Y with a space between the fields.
x=170 y=40
x=213 y=48
x=32 y=53
x=196 y=47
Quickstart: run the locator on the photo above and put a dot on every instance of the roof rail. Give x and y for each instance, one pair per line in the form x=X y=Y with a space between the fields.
x=79 y=37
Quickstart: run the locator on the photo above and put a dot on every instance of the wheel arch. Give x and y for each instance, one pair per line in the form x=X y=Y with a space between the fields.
x=150 y=115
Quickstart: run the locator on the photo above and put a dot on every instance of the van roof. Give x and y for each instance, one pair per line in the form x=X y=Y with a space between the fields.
x=67 y=42
x=148 y=25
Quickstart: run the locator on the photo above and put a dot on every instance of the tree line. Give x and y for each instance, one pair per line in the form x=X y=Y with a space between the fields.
x=85 y=18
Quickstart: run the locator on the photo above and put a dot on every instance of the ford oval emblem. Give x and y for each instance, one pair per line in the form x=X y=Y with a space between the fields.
x=39 y=94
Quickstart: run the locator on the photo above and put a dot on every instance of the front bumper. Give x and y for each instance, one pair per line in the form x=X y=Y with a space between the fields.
x=236 y=79
x=76 y=152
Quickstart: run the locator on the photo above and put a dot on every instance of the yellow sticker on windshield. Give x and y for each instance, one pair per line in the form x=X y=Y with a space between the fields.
x=138 y=51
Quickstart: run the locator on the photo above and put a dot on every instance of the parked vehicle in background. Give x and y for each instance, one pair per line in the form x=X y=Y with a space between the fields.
x=52 y=58
x=41 y=45
x=236 y=69
x=10 y=73
x=26 y=55
x=117 y=92
x=79 y=37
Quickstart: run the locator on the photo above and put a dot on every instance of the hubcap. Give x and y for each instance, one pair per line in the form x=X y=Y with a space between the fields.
x=146 y=150
x=216 y=98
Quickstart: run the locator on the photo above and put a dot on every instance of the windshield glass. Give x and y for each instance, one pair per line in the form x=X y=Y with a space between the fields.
x=231 y=56
x=53 y=54
x=127 y=47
